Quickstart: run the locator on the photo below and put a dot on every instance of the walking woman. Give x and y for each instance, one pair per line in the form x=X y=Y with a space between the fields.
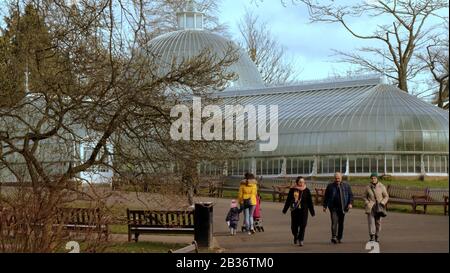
x=247 y=199
x=375 y=199
x=299 y=201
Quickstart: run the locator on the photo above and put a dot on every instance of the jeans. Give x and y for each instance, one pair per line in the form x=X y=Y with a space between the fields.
x=248 y=217
x=337 y=223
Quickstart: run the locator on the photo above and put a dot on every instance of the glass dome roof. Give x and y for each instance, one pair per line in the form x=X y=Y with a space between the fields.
x=359 y=117
x=189 y=43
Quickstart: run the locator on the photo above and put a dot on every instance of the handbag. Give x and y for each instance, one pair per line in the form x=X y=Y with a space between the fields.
x=379 y=209
x=247 y=203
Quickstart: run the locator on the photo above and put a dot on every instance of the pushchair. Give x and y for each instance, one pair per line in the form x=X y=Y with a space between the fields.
x=257 y=218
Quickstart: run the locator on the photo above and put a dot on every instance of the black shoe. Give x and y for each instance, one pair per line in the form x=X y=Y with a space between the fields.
x=372 y=238
x=295 y=241
x=376 y=239
x=334 y=240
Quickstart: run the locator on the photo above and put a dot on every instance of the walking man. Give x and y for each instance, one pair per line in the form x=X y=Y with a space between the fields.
x=339 y=200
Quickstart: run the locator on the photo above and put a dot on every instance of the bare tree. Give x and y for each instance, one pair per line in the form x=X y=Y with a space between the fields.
x=89 y=80
x=265 y=51
x=405 y=34
x=436 y=61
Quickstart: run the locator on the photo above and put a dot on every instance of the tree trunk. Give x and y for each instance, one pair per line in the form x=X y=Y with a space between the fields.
x=402 y=81
x=189 y=180
x=440 y=102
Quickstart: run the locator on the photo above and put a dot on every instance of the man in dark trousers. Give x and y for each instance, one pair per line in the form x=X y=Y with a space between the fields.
x=339 y=200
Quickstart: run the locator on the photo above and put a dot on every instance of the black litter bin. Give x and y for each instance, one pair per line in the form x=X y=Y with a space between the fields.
x=203 y=222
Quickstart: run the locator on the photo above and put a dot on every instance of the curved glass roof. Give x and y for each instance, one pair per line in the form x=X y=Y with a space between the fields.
x=186 y=44
x=353 y=117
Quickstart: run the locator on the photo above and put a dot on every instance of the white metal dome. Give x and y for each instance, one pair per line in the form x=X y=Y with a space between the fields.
x=189 y=43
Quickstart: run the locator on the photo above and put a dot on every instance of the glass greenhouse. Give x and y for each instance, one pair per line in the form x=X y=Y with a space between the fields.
x=353 y=126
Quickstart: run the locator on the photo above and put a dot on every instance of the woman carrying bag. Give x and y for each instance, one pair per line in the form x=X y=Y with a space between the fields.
x=375 y=199
x=299 y=201
x=247 y=199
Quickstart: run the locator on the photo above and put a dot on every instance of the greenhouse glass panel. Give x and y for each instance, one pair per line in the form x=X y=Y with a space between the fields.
x=366 y=165
x=359 y=165
x=418 y=164
x=380 y=168
x=397 y=164
x=389 y=164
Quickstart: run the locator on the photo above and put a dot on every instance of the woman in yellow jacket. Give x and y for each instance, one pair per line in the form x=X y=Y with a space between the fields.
x=247 y=198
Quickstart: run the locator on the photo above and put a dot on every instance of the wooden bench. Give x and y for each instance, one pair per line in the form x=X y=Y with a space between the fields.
x=318 y=197
x=212 y=187
x=69 y=219
x=427 y=200
x=403 y=195
x=83 y=220
x=357 y=190
x=193 y=247
x=280 y=192
x=144 y=221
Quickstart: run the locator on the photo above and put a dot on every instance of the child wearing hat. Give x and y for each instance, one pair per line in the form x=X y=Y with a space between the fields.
x=232 y=218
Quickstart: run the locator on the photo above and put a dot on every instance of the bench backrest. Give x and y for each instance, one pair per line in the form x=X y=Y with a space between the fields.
x=64 y=216
x=281 y=188
x=358 y=190
x=147 y=218
x=437 y=194
x=80 y=216
x=403 y=192
x=316 y=185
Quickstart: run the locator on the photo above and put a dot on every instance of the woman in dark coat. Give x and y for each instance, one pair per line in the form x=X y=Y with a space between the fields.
x=299 y=201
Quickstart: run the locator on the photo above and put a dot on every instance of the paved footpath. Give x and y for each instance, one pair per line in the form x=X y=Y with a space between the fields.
x=401 y=232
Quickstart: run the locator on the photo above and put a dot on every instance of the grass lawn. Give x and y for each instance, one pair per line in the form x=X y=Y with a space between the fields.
x=141 y=247
x=130 y=247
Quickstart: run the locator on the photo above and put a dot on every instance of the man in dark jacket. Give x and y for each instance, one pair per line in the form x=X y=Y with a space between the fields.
x=339 y=200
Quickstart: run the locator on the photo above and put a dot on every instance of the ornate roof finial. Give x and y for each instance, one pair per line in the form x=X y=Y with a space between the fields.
x=190 y=17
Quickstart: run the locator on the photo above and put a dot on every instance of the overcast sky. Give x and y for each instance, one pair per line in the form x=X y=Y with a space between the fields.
x=310 y=44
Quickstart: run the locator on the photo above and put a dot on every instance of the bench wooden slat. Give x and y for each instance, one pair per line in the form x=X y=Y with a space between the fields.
x=79 y=219
x=159 y=222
